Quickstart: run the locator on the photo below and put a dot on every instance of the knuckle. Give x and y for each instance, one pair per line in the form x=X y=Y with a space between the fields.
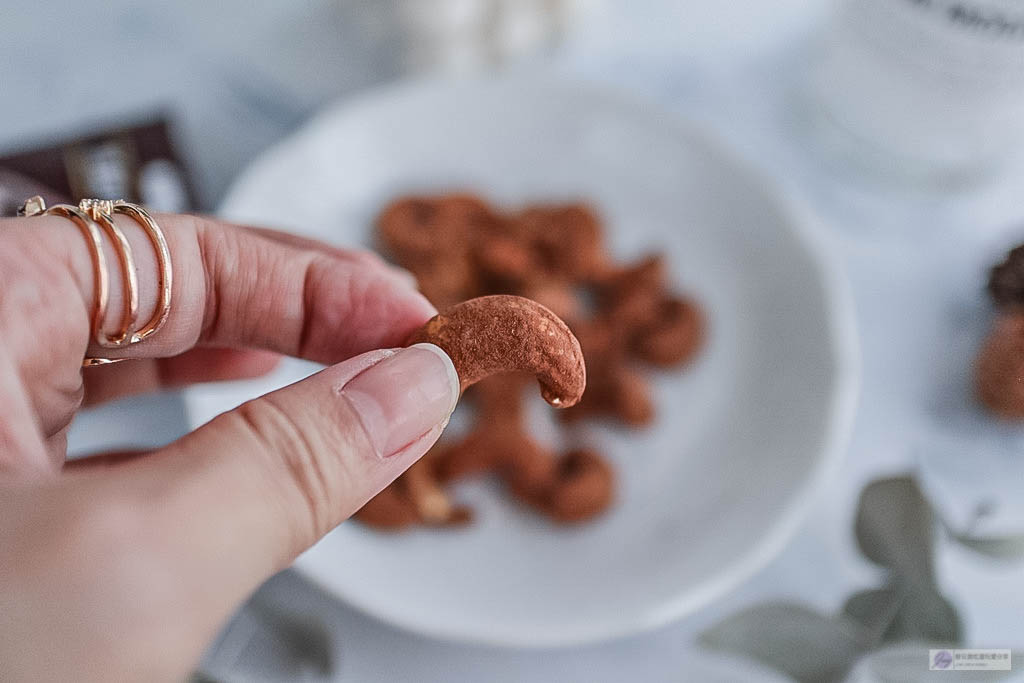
x=233 y=266
x=254 y=288
x=212 y=246
x=314 y=318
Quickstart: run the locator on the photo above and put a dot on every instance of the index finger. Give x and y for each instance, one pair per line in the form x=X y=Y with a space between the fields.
x=231 y=287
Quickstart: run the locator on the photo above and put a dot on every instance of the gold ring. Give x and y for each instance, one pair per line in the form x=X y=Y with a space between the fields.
x=94 y=217
x=163 y=259
x=37 y=207
x=128 y=275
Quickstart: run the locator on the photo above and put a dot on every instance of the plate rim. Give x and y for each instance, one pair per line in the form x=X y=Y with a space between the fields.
x=844 y=348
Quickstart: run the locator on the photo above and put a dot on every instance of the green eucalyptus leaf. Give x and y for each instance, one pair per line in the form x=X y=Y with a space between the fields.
x=1002 y=548
x=895 y=528
x=875 y=610
x=924 y=614
x=790 y=638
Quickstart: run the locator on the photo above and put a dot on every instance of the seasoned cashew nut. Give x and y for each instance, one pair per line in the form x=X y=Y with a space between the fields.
x=999 y=367
x=415 y=497
x=584 y=489
x=503 y=333
x=389 y=509
x=431 y=502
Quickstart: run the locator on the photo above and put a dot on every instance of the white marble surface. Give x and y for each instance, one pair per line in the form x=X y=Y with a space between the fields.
x=236 y=77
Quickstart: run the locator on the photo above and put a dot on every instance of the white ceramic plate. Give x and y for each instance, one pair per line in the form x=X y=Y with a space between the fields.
x=714 y=488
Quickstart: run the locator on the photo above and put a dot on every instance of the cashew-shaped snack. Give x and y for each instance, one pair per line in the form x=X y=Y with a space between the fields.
x=504 y=333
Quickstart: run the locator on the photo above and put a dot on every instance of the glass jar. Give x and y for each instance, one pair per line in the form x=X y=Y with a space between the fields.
x=928 y=89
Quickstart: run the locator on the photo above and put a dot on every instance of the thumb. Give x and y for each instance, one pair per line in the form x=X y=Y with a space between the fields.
x=242 y=496
x=158 y=551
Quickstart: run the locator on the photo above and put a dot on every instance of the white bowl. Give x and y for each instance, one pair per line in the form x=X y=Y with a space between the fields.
x=708 y=494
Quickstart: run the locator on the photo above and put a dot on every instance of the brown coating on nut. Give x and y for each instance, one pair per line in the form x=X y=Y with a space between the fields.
x=503 y=333
x=999 y=370
x=499 y=431
x=585 y=487
x=527 y=468
x=431 y=502
x=577 y=487
x=505 y=262
x=648 y=273
x=416 y=229
x=557 y=296
x=600 y=340
x=448 y=283
x=499 y=399
x=416 y=497
x=674 y=336
x=1006 y=279
x=616 y=391
x=471 y=457
x=567 y=238
x=390 y=509
x=474 y=455
x=632 y=295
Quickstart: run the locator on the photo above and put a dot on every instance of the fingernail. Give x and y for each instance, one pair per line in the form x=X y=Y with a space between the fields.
x=404 y=396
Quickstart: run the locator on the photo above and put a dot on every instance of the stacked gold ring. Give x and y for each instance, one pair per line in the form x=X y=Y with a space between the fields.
x=95 y=218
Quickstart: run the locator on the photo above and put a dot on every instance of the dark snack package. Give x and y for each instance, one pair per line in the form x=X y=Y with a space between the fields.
x=137 y=163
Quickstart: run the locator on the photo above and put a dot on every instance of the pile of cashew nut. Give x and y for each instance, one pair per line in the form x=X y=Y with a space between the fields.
x=504 y=283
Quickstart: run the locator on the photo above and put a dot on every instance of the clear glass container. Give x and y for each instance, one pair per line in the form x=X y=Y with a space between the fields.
x=931 y=90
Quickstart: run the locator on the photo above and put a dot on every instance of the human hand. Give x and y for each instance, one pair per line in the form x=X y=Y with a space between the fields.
x=125 y=567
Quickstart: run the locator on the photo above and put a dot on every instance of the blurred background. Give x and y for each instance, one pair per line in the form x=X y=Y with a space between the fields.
x=897 y=121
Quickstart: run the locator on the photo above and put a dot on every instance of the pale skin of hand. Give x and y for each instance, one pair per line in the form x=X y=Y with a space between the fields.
x=124 y=568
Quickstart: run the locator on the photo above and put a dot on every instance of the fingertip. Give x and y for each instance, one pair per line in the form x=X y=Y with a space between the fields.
x=454 y=383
